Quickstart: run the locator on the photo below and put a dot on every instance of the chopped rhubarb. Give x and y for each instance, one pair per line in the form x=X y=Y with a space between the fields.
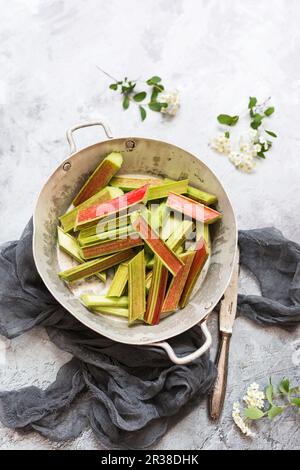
x=100 y=177
x=156 y=293
x=108 y=247
x=192 y=209
x=177 y=284
x=163 y=190
x=90 y=215
x=199 y=195
x=136 y=287
x=118 y=284
x=199 y=260
x=157 y=245
x=128 y=183
x=90 y=268
x=106 y=194
x=105 y=225
x=122 y=232
x=91 y=301
x=115 y=311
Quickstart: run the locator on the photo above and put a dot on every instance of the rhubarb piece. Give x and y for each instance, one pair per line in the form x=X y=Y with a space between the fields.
x=181 y=233
x=177 y=284
x=116 y=311
x=111 y=246
x=199 y=260
x=122 y=232
x=106 y=194
x=206 y=236
x=91 y=301
x=157 y=245
x=100 y=177
x=192 y=209
x=199 y=195
x=163 y=190
x=90 y=268
x=119 y=281
x=89 y=216
x=68 y=244
x=156 y=293
x=128 y=183
x=136 y=287
x=105 y=225
x=148 y=280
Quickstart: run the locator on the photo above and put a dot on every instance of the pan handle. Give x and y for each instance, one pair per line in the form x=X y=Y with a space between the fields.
x=70 y=131
x=191 y=357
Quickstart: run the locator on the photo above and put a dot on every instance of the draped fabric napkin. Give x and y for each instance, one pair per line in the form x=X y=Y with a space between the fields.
x=126 y=394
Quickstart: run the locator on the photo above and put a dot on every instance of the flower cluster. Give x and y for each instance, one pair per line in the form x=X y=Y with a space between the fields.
x=222 y=144
x=241 y=424
x=172 y=99
x=254 y=397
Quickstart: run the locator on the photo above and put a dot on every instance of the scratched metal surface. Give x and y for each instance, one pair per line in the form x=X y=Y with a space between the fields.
x=229 y=50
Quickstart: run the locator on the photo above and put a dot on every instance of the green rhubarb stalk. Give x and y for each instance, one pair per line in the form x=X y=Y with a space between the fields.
x=128 y=183
x=106 y=194
x=136 y=287
x=105 y=225
x=199 y=195
x=119 y=281
x=162 y=190
x=199 y=261
x=69 y=245
x=91 y=301
x=177 y=284
x=121 y=232
x=181 y=234
x=156 y=293
x=111 y=246
x=115 y=311
x=90 y=268
x=100 y=177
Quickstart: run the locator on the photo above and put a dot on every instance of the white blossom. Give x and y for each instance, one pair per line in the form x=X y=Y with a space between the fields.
x=172 y=99
x=236 y=416
x=222 y=144
x=254 y=397
x=242 y=161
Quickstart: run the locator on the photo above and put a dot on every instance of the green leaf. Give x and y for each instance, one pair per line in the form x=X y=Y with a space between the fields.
x=271 y=133
x=253 y=413
x=227 y=134
x=284 y=386
x=252 y=102
x=261 y=154
x=269 y=391
x=228 y=120
x=154 y=94
x=274 y=411
x=296 y=401
x=269 y=111
x=126 y=102
x=153 y=80
x=156 y=106
x=257 y=120
x=143 y=113
x=140 y=96
x=113 y=86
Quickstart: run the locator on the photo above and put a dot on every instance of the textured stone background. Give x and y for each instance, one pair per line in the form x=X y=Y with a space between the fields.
x=217 y=53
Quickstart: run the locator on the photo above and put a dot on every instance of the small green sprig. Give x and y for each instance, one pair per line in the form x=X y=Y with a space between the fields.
x=127 y=89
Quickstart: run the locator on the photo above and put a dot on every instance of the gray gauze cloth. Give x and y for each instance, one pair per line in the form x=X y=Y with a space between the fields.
x=127 y=395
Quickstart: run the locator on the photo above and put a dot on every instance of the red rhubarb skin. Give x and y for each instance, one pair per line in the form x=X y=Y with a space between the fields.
x=109 y=247
x=199 y=260
x=101 y=179
x=177 y=285
x=97 y=211
x=157 y=245
x=152 y=316
x=192 y=209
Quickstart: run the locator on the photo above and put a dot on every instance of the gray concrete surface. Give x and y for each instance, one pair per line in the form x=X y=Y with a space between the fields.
x=216 y=53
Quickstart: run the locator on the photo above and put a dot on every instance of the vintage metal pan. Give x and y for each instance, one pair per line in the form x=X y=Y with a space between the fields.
x=141 y=156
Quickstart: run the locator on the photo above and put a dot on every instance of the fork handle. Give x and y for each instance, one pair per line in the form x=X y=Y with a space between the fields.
x=218 y=394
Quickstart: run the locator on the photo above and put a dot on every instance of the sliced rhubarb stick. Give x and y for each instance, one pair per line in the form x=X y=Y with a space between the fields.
x=108 y=247
x=136 y=287
x=163 y=190
x=181 y=233
x=128 y=183
x=148 y=280
x=95 y=266
x=192 y=209
x=199 y=195
x=87 y=217
x=100 y=177
x=115 y=311
x=156 y=293
x=157 y=245
x=119 y=281
x=68 y=244
x=106 y=194
x=122 y=232
x=91 y=301
x=177 y=284
x=105 y=225
x=199 y=260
